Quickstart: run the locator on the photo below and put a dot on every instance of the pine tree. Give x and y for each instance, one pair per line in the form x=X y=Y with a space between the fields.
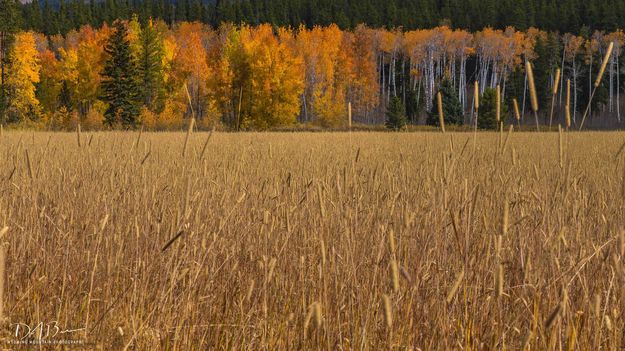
x=487 y=118
x=10 y=21
x=548 y=53
x=32 y=16
x=395 y=114
x=452 y=109
x=151 y=68
x=50 y=24
x=120 y=85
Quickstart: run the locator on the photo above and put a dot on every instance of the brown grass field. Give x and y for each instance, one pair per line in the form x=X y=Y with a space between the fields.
x=335 y=241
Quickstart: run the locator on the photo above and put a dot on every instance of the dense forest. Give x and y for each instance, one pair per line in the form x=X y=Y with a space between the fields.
x=60 y=16
x=80 y=65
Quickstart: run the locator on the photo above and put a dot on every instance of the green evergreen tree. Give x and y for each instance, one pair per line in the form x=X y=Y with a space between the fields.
x=395 y=114
x=413 y=105
x=120 y=85
x=32 y=15
x=10 y=21
x=563 y=15
x=548 y=53
x=487 y=118
x=452 y=109
x=151 y=68
x=65 y=97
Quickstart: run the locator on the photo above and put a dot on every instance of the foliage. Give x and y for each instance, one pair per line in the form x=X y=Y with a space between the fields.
x=24 y=70
x=326 y=75
x=10 y=21
x=395 y=114
x=61 y=16
x=121 y=89
x=487 y=118
x=275 y=81
x=452 y=109
x=151 y=71
x=260 y=77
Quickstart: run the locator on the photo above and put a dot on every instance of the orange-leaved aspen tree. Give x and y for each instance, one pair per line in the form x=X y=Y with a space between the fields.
x=91 y=58
x=190 y=65
x=364 y=87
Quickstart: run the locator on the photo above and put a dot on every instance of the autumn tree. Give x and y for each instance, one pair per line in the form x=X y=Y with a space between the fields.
x=23 y=69
x=364 y=86
x=121 y=89
x=49 y=87
x=190 y=66
x=68 y=77
x=231 y=78
x=275 y=82
x=327 y=73
x=91 y=60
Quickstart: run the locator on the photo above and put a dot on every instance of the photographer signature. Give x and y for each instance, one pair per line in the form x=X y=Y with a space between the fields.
x=41 y=330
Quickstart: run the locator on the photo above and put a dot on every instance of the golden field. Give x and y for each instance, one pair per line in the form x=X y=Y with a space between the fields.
x=337 y=241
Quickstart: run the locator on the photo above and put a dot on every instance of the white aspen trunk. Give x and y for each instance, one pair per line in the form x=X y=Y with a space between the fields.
x=452 y=62
x=590 y=86
x=574 y=92
x=611 y=74
x=460 y=83
x=524 y=96
x=618 y=87
x=403 y=78
x=383 y=81
x=394 y=75
x=562 y=79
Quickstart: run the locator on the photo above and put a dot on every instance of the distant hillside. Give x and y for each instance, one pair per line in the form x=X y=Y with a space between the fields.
x=56 y=16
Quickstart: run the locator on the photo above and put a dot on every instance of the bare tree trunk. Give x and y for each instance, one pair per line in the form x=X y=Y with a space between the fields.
x=524 y=96
x=403 y=79
x=574 y=92
x=562 y=79
x=590 y=86
x=618 y=88
x=611 y=81
x=383 y=81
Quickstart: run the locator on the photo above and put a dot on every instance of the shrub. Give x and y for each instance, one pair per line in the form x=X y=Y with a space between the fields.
x=487 y=115
x=395 y=114
x=452 y=109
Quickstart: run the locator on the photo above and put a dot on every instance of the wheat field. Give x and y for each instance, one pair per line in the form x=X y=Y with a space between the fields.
x=336 y=241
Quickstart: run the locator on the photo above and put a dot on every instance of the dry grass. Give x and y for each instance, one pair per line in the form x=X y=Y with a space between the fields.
x=317 y=241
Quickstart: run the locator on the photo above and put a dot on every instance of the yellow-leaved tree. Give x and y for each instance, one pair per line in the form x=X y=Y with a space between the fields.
x=276 y=78
x=231 y=76
x=327 y=72
x=91 y=59
x=23 y=71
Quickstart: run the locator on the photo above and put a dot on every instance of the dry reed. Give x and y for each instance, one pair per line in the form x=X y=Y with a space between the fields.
x=230 y=250
x=533 y=95
x=554 y=92
x=349 y=115
x=441 y=117
x=604 y=64
x=498 y=104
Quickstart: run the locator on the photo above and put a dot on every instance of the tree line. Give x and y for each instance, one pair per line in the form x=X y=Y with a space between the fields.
x=258 y=77
x=60 y=16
